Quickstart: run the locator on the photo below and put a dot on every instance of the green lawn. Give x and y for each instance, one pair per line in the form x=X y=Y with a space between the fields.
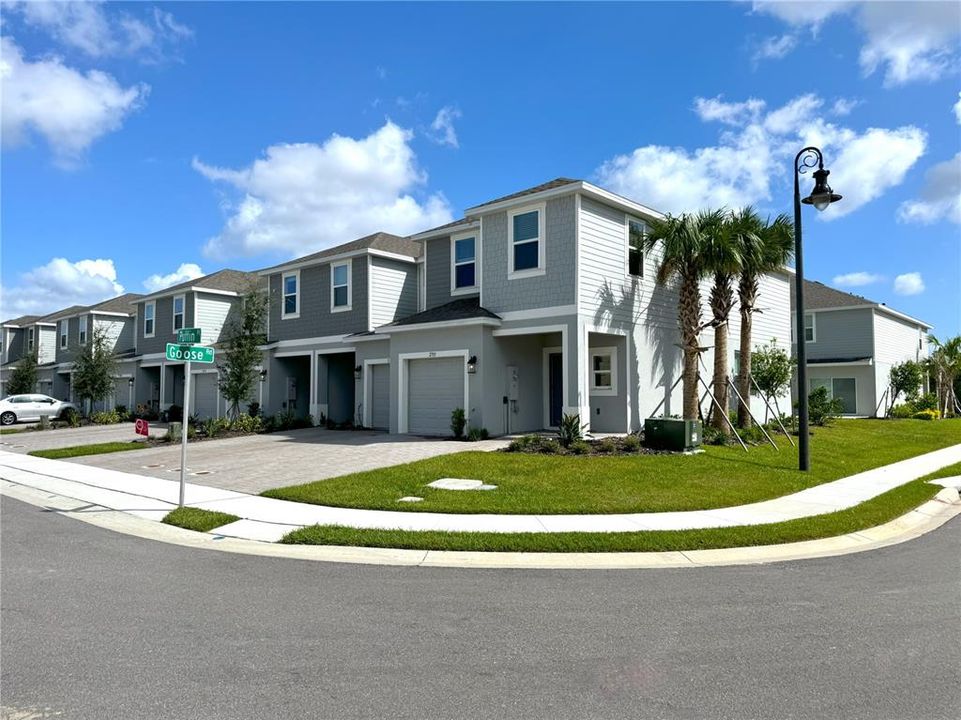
x=876 y=511
x=11 y=430
x=197 y=519
x=95 y=449
x=719 y=477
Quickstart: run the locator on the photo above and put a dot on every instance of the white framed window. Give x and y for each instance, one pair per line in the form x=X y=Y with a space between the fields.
x=525 y=240
x=290 y=289
x=636 y=231
x=149 y=311
x=30 y=340
x=82 y=334
x=340 y=286
x=463 y=264
x=603 y=371
x=179 y=312
x=64 y=333
x=810 y=334
x=843 y=389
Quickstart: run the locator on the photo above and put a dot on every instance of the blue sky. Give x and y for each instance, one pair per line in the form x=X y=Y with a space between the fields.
x=145 y=143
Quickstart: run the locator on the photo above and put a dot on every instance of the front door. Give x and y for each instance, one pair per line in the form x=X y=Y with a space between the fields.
x=555 y=385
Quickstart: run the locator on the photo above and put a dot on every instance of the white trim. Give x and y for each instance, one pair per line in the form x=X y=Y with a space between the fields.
x=532 y=330
x=422 y=282
x=173 y=313
x=368 y=389
x=175 y=291
x=814 y=328
x=627 y=246
x=597 y=193
x=152 y=304
x=324 y=340
x=294 y=353
x=374 y=252
x=879 y=308
x=480 y=263
x=831 y=390
x=546 y=384
x=368 y=338
x=443 y=324
x=370 y=293
x=350 y=286
x=403 y=359
x=541 y=240
x=594 y=390
x=538 y=313
x=577 y=252
x=812 y=364
x=284 y=315
x=467 y=289
x=83 y=329
x=303 y=263
x=444 y=231
x=63 y=334
x=103 y=312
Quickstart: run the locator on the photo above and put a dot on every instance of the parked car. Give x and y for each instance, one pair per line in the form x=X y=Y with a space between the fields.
x=16 y=408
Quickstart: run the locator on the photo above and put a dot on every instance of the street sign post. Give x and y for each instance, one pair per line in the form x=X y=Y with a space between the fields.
x=189 y=353
x=183 y=351
x=188 y=335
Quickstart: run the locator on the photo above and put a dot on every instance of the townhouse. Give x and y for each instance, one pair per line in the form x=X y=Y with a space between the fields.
x=13 y=345
x=852 y=343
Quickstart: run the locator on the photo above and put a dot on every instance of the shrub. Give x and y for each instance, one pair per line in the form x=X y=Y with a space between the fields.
x=712 y=436
x=253 y=409
x=71 y=417
x=212 y=427
x=928 y=401
x=534 y=444
x=822 y=409
x=146 y=412
x=570 y=429
x=579 y=447
x=905 y=410
x=247 y=424
x=608 y=446
x=122 y=413
x=926 y=415
x=631 y=443
x=476 y=434
x=458 y=421
x=175 y=413
x=106 y=417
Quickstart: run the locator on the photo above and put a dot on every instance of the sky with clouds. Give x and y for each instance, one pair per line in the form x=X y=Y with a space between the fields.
x=146 y=144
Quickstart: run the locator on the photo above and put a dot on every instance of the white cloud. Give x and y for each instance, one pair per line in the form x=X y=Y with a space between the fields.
x=305 y=197
x=69 y=109
x=957 y=109
x=90 y=28
x=940 y=196
x=751 y=159
x=803 y=12
x=775 y=47
x=186 y=271
x=909 y=284
x=843 y=106
x=857 y=279
x=443 y=126
x=59 y=284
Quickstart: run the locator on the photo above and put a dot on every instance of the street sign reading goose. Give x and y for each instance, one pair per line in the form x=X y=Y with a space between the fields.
x=188 y=353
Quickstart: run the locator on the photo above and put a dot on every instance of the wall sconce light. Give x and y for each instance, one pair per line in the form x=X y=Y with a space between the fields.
x=358 y=371
x=263 y=375
x=130 y=382
x=472 y=365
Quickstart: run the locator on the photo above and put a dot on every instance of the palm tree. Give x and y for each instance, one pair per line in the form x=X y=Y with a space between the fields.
x=682 y=244
x=765 y=246
x=945 y=361
x=723 y=253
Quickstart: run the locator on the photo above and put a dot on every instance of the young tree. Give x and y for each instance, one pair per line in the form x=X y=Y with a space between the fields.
x=767 y=247
x=682 y=241
x=772 y=369
x=945 y=363
x=905 y=378
x=241 y=351
x=94 y=368
x=23 y=379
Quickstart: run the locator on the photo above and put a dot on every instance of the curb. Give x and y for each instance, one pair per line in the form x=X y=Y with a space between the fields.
x=923 y=519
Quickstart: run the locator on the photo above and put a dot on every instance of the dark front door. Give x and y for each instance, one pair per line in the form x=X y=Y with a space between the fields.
x=555 y=384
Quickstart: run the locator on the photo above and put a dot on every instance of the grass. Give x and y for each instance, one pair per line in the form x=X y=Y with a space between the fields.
x=95 y=449
x=11 y=430
x=719 y=477
x=877 y=511
x=196 y=519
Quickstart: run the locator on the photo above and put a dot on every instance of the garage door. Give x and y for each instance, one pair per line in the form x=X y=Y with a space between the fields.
x=204 y=393
x=380 y=396
x=435 y=388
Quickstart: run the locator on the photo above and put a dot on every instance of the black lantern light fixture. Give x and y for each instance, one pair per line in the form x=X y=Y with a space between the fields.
x=472 y=365
x=820 y=198
x=358 y=372
x=130 y=382
x=263 y=375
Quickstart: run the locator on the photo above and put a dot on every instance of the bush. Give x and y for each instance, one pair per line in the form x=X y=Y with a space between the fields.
x=579 y=447
x=122 y=413
x=926 y=415
x=146 y=412
x=822 y=409
x=928 y=401
x=106 y=417
x=247 y=424
x=212 y=427
x=71 y=417
x=175 y=413
x=570 y=429
x=905 y=410
x=253 y=409
x=458 y=421
x=534 y=444
x=476 y=434
x=608 y=446
x=710 y=435
x=632 y=443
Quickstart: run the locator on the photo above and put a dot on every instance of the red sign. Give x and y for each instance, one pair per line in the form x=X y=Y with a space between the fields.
x=142 y=427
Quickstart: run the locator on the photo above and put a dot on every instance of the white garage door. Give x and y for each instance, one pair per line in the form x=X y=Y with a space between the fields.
x=435 y=387
x=380 y=396
x=204 y=392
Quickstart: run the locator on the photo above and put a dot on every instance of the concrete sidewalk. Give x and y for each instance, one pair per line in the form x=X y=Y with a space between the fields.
x=267 y=519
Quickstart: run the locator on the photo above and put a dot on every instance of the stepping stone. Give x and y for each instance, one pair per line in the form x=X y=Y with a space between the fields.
x=458 y=484
x=410 y=498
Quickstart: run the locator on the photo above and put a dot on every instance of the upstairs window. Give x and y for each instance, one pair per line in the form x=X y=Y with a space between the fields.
x=291 y=291
x=636 y=231
x=178 y=312
x=465 y=263
x=148 y=319
x=525 y=229
x=83 y=330
x=340 y=287
x=30 y=340
x=809 y=328
x=64 y=332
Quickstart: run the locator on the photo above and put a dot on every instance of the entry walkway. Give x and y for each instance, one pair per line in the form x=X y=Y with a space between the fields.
x=268 y=519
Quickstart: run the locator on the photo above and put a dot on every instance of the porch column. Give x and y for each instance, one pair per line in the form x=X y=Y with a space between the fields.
x=314 y=407
x=577 y=392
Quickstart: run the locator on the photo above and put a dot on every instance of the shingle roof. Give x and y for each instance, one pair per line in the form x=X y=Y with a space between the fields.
x=378 y=241
x=22 y=320
x=59 y=314
x=550 y=185
x=819 y=296
x=460 y=309
x=228 y=280
x=119 y=304
x=450 y=225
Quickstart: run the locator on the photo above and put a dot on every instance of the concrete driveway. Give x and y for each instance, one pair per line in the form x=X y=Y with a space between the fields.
x=256 y=463
x=28 y=440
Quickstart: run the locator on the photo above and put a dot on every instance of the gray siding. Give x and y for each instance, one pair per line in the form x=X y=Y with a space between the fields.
x=163 y=326
x=315 y=319
x=555 y=287
x=393 y=290
x=437 y=266
x=16 y=344
x=842 y=334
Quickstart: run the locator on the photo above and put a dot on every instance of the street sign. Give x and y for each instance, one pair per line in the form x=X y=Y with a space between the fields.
x=188 y=353
x=142 y=427
x=188 y=335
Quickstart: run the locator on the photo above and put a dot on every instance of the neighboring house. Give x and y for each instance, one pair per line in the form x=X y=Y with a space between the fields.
x=852 y=343
x=208 y=303
x=319 y=307
x=13 y=346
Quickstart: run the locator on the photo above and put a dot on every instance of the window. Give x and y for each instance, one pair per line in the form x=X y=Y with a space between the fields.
x=178 y=312
x=291 y=290
x=340 y=287
x=83 y=330
x=525 y=240
x=464 y=263
x=603 y=371
x=809 y=333
x=844 y=389
x=64 y=332
x=736 y=368
x=636 y=230
x=148 y=319
x=30 y=340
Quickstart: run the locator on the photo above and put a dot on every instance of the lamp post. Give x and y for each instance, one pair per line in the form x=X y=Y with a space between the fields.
x=820 y=198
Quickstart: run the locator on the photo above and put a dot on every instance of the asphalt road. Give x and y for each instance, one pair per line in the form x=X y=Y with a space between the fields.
x=101 y=625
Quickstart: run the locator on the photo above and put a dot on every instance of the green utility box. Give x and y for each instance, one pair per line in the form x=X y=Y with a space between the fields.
x=671 y=434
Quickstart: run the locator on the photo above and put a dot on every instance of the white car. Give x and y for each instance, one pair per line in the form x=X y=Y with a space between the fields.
x=30 y=407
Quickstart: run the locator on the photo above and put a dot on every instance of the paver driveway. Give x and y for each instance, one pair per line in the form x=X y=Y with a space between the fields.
x=259 y=462
x=29 y=440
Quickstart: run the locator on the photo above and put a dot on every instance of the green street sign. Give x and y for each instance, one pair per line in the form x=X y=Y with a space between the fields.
x=187 y=353
x=188 y=335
